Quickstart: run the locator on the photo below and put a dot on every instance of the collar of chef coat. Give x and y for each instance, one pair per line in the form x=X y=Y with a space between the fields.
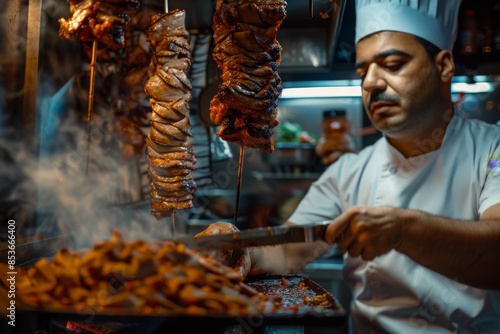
x=393 y=159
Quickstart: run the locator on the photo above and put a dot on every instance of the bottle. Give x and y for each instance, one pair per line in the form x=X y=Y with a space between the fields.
x=336 y=136
x=335 y=123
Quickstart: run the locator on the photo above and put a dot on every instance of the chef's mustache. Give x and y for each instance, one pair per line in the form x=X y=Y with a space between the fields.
x=382 y=96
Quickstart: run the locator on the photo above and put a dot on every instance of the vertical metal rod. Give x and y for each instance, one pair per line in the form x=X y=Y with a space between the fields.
x=172 y=214
x=311 y=9
x=172 y=223
x=90 y=108
x=238 y=183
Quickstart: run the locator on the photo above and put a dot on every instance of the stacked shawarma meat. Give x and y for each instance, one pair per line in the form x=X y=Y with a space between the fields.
x=168 y=150
x=248 y=54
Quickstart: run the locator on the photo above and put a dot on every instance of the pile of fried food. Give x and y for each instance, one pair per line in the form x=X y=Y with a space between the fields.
x=139 y=277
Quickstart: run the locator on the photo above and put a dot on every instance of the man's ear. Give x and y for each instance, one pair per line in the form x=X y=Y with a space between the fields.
x=445 y=65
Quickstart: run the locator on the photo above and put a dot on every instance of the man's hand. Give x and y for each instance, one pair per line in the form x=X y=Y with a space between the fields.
x=367 y=231
x=331 y=150
x=239 y=259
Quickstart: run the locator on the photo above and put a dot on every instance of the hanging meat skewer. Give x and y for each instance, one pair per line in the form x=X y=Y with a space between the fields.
x=248 y=54
x=168 y=149
x=101 y=20
x=97 y=21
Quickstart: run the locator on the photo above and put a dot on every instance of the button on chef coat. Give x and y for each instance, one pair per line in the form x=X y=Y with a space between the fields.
x=460 y=180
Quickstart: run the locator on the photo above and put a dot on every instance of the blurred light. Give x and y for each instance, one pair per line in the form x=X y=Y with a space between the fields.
x=355 y=90
x=478 y=87
x=315 y=92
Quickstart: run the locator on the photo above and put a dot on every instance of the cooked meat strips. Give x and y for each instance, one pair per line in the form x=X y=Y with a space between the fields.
x=138 y=277
x=168 y=148
x=102 y=20
x=248 y=54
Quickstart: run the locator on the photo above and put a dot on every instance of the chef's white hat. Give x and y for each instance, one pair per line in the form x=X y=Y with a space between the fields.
x=432 y=20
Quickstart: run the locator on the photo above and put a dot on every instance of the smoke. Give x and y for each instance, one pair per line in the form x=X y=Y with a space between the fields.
x=65 y=198
x=46 y=185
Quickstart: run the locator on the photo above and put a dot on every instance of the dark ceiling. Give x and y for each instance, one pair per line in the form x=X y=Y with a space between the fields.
x=336 y=29
x=199 y=12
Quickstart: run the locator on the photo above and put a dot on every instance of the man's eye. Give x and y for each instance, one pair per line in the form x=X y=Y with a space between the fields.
x=393 y=67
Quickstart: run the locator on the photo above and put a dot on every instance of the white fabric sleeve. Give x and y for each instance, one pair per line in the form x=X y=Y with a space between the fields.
x=490 y=194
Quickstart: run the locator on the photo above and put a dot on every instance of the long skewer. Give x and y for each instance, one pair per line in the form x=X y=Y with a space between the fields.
x=172 y=223
x=172 y=214
x=90 y=108
x=238 y=183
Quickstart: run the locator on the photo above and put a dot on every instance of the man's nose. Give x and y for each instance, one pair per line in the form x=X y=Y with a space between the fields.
x=374 y=80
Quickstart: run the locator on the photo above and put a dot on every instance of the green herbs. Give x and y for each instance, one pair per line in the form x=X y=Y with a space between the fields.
x=293 y=133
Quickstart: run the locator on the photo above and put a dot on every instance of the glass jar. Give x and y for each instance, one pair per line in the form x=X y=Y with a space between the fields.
x=336 y=136
x=335 y=123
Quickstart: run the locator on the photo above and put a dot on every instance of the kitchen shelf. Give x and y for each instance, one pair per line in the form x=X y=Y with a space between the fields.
x=287 y=184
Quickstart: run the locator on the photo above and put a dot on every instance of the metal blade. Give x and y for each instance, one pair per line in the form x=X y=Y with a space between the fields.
x=258 y=237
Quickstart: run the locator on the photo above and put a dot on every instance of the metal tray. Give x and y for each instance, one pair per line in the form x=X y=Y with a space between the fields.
x=292 y=289
x=31 y=319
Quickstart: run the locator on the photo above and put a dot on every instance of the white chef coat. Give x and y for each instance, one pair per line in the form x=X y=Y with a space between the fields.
x=460 y=180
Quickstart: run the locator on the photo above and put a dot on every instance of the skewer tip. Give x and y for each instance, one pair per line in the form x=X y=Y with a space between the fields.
x=172 y=223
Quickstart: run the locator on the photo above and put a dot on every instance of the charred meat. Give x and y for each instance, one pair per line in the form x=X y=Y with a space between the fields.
x=102 y=20
x=168 y=148
x=248 y=54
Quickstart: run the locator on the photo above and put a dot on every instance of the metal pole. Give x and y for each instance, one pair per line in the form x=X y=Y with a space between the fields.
x=238 y=183
x=172 y=214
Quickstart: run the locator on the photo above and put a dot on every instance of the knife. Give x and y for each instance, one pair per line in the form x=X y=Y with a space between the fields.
x=262 y=236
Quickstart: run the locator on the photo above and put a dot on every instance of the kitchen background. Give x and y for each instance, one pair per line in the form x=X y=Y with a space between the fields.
x=43 y=106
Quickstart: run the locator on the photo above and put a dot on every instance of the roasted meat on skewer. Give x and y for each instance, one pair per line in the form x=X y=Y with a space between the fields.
x=168 y=148
x=101 y=20
x=248 y=54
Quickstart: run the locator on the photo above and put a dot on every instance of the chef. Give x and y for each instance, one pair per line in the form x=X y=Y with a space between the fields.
x=417 y=214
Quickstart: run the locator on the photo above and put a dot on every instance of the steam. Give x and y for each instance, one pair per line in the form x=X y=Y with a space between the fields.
x=90 y=206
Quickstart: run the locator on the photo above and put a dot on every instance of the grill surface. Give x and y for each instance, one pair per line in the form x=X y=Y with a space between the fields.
x=293 y=292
